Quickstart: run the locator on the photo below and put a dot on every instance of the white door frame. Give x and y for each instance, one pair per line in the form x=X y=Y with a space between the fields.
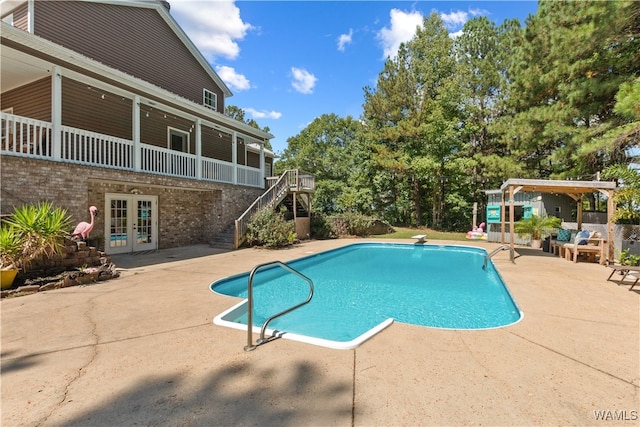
x=138 y=228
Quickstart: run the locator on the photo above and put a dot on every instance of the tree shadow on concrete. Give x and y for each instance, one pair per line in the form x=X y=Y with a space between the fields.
x=10 y=364
x=161 y=256
x=236 y=394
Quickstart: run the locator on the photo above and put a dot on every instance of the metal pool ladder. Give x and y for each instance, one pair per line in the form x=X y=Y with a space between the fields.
x=250 y=346
x=495 y=251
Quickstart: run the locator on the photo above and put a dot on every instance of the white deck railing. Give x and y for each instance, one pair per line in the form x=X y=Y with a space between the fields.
x=26 y=137
x=90 y=148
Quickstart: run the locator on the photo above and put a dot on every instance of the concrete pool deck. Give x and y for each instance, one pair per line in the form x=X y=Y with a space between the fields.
x=142 y=350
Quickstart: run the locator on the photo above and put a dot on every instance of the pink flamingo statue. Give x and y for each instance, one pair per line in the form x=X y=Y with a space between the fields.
x=84 y=228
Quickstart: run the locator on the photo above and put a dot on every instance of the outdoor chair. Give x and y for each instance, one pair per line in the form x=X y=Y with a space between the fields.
x=559 y=240
x=628 y=272
x=589 y=244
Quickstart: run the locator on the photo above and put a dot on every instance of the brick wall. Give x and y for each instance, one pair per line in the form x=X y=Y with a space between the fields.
x=189 y=211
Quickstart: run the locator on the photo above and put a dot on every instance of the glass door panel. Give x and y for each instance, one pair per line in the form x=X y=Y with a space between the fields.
x=131 y=224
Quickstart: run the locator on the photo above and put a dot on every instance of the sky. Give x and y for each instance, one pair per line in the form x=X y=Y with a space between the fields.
x=289 y=62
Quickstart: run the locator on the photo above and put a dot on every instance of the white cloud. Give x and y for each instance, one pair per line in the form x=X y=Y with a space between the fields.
x=456 y=34
x=454 y=19
x=213 y=26
x=232 y=78
x=479 y=12
x=262 y=114
x=344 y=40
x=303 y=81
x=402 y=29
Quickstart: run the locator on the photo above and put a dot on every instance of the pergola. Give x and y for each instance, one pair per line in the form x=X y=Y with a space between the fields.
x=574 y=189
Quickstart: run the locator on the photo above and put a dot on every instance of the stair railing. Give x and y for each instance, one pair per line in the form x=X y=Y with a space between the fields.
x=290 y=180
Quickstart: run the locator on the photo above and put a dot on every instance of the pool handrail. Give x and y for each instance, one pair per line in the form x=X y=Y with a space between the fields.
x=496 y=250
x=250 y=346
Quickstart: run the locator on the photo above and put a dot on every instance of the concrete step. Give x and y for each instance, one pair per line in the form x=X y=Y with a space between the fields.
x=224 y=239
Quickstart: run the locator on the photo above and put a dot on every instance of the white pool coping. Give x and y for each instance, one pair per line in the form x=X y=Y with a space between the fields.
x=241 y=308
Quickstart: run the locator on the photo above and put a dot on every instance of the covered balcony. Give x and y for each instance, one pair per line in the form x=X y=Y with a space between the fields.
x=27 y=137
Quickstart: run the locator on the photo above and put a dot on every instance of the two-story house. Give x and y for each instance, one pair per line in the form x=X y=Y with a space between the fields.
x=110 y=104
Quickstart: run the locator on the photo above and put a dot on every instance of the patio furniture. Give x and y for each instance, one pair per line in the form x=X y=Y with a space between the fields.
x=562 y=237
x=628 y=271
x=592 y=246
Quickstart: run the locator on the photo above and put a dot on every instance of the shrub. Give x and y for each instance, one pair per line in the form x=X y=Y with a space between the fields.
x=269 y=229
x=321 y=226
x=357 y=223
x=537 y=226
x=40 y=229
x=629 y=259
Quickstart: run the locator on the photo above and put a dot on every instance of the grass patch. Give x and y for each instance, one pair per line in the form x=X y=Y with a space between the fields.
x=406 y=233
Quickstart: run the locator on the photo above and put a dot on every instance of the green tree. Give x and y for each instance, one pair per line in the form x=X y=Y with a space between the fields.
x=411 y=123
x=483 y=51
x=627 y=196
x=238 y=113
x=574 y=58
x=324 y=148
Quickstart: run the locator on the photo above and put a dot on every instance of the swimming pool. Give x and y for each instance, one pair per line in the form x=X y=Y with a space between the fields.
x=360 y=289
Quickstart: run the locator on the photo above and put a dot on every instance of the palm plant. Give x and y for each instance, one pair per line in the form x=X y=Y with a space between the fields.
x=10 y=247
x=537 y=226
x=40 y=229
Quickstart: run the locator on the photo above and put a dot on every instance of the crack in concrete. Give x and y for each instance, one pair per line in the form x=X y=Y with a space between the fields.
x=631 y=383
x=353 y=393
x=60 y=350
x=80 y=372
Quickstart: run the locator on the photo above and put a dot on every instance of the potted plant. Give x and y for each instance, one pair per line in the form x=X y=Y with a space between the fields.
x=30 y=232
x=537 y=227
x=10 y=250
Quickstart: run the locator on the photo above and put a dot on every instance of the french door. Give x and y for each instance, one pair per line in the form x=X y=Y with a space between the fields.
x=131 y=223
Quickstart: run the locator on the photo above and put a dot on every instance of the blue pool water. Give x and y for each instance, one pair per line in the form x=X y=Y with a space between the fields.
x=359 y=287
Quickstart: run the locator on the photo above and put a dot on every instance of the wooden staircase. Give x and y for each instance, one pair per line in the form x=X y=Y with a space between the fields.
x=298 y=184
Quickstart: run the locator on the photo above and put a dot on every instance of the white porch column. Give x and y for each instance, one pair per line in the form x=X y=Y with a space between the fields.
x=30 y=16
x=262 y=165
x=234 y=156
x=56 y=113
x=199 y=148
x=137 y=150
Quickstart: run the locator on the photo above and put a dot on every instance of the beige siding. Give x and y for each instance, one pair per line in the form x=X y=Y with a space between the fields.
x=135 y=40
